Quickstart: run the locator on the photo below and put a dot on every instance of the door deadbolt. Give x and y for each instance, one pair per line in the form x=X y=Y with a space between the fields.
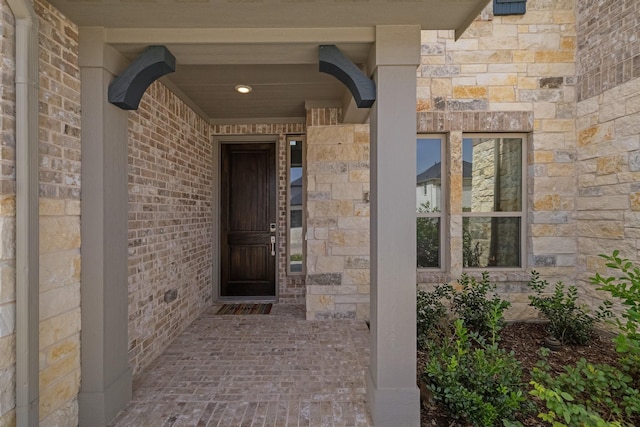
x=272 y=227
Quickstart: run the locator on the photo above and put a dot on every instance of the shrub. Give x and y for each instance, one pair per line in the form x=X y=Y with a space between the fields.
x=473 y=306
x=473 y=379
x=569 y=322
x=431 y=312
x=627 y=289
x=596 y=393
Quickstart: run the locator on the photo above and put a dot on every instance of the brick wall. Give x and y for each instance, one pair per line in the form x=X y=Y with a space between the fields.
x=291 y=289
x=59 y=218
x=608 y=46
x=170 y=221
x=7 y=219
x=608 y=139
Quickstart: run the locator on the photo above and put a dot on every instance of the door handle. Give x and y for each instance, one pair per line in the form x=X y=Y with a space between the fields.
x=273 y=245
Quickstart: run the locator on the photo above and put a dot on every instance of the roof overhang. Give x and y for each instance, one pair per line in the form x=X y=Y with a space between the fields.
x=271 y=45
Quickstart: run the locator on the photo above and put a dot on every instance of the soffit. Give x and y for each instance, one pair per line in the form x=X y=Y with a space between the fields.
x=271 y=45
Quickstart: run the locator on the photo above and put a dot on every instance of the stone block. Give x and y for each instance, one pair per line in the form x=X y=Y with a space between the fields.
x=628 y=125
x=7 y=319
x=67 y=415
x=7 y=388
x=348 y=238
x=59 y=394
x=330 y=208
x=59 y=328
x=611 y=164
x=59 y=369
x=502 y=94
x=354 y=223
x=597 y=134
x=356 y=262
x=601 y=229
x=59 y=233
x=51 y=207
x=326 y=279
x=330 y=135
x=561 y=169
x=59 y=300
x=539 y=42
x=8 y=419
x=319 y=303
x=352 y=299
x=7 y=281
x=344 y=152
x=59 y=269
x=554 y=56
x=349 y=250
x=346 y=191
x=61 y=350
x=469 y=91
x=7 y=238
x=546 y=202
x=356 y=276
x=8 y=205
x=360 y=175
x=316 y=248
x=7 y=351
x=498 y=79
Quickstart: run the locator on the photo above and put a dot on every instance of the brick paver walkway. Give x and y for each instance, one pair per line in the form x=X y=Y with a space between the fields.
x=275 y=370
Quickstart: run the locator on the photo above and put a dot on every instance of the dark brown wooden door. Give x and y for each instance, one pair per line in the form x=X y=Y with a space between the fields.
x=248 y=220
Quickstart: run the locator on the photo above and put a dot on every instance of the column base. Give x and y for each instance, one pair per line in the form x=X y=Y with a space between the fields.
x=393 y=407
x=98 y=409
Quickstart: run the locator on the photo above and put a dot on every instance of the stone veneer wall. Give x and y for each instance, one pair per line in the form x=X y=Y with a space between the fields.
x=510 y=74
x=59 y=218
x=608 y=126
x=291 y=289
x=337 y=218
x=170 y=221
x=7 y=219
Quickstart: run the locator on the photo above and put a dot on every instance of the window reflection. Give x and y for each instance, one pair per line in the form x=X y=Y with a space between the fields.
x=492 y=175
x=296 y=197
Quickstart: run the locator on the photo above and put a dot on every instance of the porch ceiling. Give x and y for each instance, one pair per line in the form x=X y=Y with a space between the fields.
x=271 y=45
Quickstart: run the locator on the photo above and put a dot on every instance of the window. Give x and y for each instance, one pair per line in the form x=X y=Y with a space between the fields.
x=509 y=7
x=429 y=201
x=493 y=201
x=295 y=205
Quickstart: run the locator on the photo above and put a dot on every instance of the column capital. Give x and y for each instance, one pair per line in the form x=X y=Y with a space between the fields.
x=395 y=45
x=95 y=52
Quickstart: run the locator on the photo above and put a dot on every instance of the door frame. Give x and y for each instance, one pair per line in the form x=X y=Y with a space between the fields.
x=218 y=141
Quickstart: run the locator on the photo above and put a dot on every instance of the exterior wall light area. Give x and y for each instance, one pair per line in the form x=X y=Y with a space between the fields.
x=243 y=89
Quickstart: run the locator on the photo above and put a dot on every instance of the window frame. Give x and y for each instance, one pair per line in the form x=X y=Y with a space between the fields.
x=301 y=138
x=443 y=214
x=522 y=214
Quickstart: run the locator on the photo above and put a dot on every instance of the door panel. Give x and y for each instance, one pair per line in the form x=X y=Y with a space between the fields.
x=248 y=209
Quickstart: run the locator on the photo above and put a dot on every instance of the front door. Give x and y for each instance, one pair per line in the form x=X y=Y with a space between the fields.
x=248 y=221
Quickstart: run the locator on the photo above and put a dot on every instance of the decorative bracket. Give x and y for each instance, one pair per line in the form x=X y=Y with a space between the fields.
x=332 y=61
x=126 y=90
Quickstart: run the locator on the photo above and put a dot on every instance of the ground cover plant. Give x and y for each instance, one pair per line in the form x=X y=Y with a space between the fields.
x=486 y=373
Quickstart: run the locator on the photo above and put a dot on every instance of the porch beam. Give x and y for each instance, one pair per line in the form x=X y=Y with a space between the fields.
x=393 y=396
x=213 y=36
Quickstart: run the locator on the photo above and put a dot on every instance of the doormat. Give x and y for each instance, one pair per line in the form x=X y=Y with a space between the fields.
x=245 y=309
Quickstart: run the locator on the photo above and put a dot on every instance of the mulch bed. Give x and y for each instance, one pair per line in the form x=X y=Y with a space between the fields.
x=525 y=339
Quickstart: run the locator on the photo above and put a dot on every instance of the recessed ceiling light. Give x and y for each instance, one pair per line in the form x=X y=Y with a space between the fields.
x=243 y=88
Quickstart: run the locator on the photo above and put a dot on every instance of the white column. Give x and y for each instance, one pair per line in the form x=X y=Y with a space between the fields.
x=106 y=377
x=393 y=396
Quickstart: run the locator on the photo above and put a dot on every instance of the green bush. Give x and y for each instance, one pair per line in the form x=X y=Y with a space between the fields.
x=473 y=306
x=569 y=322
x=627 y=289
x=431 y=312
x=473 y=379
x=586 y=394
